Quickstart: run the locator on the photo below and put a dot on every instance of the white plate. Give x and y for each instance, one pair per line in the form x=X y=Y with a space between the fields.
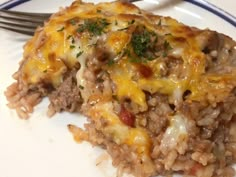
x=42 y=147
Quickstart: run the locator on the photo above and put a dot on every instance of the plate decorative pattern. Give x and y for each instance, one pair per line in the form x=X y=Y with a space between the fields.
x=215 y=10
x=11 y=3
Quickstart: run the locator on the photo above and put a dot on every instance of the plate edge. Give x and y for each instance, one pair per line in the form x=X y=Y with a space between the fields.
x=11 y=3
x=215 y=10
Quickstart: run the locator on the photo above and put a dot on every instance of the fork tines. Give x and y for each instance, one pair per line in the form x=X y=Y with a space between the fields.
x=25 y=22
x=22 y=22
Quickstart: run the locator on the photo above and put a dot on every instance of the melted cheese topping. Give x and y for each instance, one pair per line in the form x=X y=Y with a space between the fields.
x=127 y=88
x=175 y=134
x=55 y=48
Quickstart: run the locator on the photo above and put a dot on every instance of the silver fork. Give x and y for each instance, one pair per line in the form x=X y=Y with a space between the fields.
x=22 y=22
x=26 y=23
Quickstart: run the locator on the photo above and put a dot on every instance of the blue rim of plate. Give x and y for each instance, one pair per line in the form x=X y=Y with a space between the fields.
x=12 y=3
x=215 y=10
x=200 y=3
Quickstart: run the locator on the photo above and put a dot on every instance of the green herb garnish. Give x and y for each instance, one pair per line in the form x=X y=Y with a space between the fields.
x=168 y=34
x=167 y=47
x=110 y=62
x=81 y=87
x=140 y=42
x=81 y=28
x=131 y=22
x=96 y=27
x=73 y=22
x=122 y=29
x=68 y=37
x=61 y=29
x=136 y=60
x=79 y=53
x=127 y=52
x=72 y=39
x=72 y=46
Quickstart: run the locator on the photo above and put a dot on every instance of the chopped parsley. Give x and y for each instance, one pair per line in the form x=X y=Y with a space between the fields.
x=81 y=87
x=68 y=37
x=127 y=52
x=61 y=29
x=73 y=21
x=167 y=47
x=125 y=28
x=146 y=46
x=131 y=22
x=155 y=38
x=151 y=58
x=140 y=42
x=96 y=27
x=122 y=29
x=79 y=53
x=72 y=46
x=72 y=39
x=136 y=60
x=110 y=62
x=168 y=34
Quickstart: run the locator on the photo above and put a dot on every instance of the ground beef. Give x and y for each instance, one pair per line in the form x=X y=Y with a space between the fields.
x=67 y=96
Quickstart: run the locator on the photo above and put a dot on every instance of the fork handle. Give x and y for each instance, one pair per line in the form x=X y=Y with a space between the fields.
x=11 y=3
